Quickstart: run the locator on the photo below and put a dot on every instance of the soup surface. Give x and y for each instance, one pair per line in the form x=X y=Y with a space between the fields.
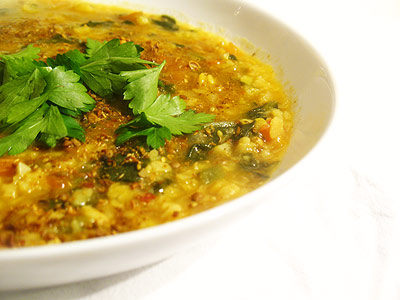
x=88 y=188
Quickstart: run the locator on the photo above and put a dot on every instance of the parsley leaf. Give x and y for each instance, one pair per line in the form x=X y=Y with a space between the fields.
x=74 y=130
x=155 y=136
x=70 y=60
x=161 y=116
x=187 y=122
x=142 y=87
x=63 y=89
x=26 y=133
x=92 y=46
x=164 y=117
x=170 y=112
x=32 y=106
x=54 y=123
x=100 y=68
x=18 y=90
x=140 y=126
x=30 y=52
x=53 y=128
x=20 y=111
x=112 y=49
x=2 y=68
x=101 y=71
x=20 y=63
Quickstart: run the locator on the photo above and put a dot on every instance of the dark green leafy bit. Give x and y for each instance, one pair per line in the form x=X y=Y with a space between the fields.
x=52 y=204
x=159 y=187
x=59 y=38
x=118 y=168
x=214 y=134
x=101 y=23
x=219 y=132
x=168 y=88
x=262 y=111
x=92 y=200
x=211 y=174
x=128 y=22
x=232 y=57
x=167 y=22
x=199 y=152
x=222 y=131
x=179 y=45
x=204 y=140
x=244 y=129
x=249 y=163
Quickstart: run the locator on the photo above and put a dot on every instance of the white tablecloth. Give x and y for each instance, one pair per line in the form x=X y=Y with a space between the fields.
x=334 y=233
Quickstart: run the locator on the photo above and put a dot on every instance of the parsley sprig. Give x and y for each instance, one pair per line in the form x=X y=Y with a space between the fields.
x=36 y=102
x=41 y=100
x=157 y=118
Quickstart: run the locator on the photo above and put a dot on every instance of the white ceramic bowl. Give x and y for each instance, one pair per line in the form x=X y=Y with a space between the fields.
x=301 y=67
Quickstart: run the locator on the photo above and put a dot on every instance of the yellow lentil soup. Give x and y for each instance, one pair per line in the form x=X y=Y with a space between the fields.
x=85 y=188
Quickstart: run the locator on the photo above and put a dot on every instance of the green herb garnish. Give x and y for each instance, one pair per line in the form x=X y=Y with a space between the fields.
x=157 y=118
x=40 y=100
x=31 y=98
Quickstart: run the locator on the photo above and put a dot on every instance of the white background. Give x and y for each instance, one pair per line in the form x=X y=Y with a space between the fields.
x=334 y=233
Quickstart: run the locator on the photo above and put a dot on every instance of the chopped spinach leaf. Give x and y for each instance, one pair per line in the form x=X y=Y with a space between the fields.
x=232 y=57
x=249 y=163
x=168 y=88
x=59 y=38
x=159 y=187
x=244 y=129
x=116 y=169
x=96 y=23
x=198 y=152
x=128 y=22
x=211 y=174
x=262 y=111
x=52 y=204
x=167 y=22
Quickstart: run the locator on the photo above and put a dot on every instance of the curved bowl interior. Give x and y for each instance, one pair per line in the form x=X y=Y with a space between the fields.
x=314 y=93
